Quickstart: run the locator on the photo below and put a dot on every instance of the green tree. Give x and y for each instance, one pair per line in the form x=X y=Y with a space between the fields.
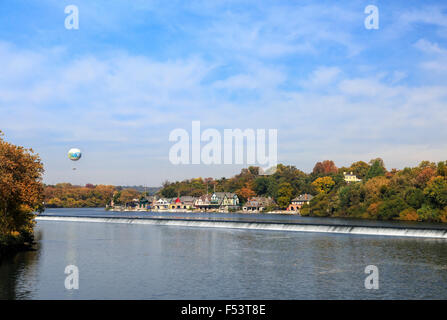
x=391 y=208
x=414 y=197
x=359 y=168
x=436 y=192
x=284 y=195
x=261 y=185
x=169 y=192
x=427 y=213
x=377 y=169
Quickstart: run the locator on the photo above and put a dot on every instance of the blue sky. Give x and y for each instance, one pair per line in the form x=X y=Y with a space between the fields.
x=136 y=70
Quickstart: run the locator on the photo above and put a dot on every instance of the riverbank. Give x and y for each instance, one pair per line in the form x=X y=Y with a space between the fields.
x=12 y=244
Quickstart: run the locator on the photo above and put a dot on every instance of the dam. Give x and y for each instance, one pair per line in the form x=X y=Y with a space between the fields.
x=436 y=233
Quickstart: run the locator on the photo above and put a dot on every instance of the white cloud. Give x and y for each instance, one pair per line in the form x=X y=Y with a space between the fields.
x=321 y=77
x=123 y=106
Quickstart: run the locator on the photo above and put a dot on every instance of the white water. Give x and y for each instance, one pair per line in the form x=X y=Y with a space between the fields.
x=379 y=231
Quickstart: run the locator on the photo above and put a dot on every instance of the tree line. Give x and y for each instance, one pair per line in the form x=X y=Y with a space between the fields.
x=66 y=195
x=413 y=193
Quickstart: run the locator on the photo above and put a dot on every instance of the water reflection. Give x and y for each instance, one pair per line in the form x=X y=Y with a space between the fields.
x=18 y=273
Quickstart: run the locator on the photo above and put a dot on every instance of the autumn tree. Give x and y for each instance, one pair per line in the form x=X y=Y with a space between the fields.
x=245 y=192
x=323 y=184
x=324 y=168
x=284 y=195
x=65 y=195
x=21 y=189
x=128 y=195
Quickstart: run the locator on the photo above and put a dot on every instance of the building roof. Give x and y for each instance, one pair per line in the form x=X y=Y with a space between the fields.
x=187 y=198
x=221 y=195
x=258 y=201
x=304 y=197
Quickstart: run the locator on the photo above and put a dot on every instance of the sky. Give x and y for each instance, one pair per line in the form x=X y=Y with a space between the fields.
x=136 y=70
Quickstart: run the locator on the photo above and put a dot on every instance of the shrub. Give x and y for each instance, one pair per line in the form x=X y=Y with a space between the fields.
x=391 y=208
x=409 y=214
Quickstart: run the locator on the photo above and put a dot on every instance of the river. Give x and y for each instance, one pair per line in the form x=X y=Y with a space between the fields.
x=134 y=261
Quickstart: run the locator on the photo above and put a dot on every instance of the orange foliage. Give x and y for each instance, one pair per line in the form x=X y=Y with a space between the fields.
x=66 y=195
x=409 y=215
x=325 y=167
x=373 y=210
x=246 y=192
x=21 y=188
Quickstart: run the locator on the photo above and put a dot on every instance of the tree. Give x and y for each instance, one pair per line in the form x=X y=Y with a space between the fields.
x=414 y=197
x=375 y=188
x=350 y=196
x=409 y=214
x=377 y=169
x=21 y=189
x=428 y=213
x=436 y=192
x=321 y=205
x=442 y=169
x=285 y=191
x=128 y=195
x=323 y=184
x=245 y=193
x=169 y=192
x=261 y=185
x=360 y=169
x=391 y=208
x=425 y=175
x=324 y=168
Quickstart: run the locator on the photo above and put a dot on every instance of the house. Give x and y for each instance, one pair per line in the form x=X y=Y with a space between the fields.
x=299 y=201
x=218 y=200
x=349 y=177
x=161 y=204
x=225 y=200
x=257 y=204
x=182 y=203
x=175 y=204
x=203 y=202
x=145 y=203
x=132 y=205
x=188 y=201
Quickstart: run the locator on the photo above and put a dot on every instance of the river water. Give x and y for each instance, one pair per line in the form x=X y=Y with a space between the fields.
x=133 y=261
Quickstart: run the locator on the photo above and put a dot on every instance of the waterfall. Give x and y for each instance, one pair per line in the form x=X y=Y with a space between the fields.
x=273 y=226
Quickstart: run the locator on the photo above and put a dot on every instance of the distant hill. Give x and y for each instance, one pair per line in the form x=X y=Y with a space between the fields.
x=150 y=190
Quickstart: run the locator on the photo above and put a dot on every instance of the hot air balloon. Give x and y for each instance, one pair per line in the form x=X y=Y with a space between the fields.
x=74 y=154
